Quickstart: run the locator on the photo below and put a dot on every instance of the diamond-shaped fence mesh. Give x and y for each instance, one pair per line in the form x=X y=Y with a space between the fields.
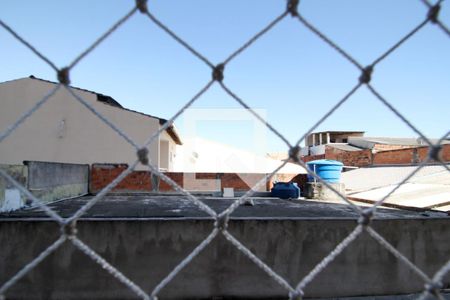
x=68 y=226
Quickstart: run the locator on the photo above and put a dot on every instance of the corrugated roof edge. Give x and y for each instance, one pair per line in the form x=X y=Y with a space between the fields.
x=105 y=99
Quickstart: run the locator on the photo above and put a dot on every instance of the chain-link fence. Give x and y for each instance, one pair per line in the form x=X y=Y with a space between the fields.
x=68 y=226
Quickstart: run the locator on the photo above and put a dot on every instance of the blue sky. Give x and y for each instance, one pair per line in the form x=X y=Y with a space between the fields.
x=289 y=72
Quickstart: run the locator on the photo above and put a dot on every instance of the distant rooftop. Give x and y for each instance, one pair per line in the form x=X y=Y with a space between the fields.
x=338 y=132
x=345 y=147
x=331 y=136
x=364 y=179
x=395 y=141
x=428 y=188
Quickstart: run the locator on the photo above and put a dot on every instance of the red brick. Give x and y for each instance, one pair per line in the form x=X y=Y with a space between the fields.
x=103 y=174
x=360 y=158
x=400 y=156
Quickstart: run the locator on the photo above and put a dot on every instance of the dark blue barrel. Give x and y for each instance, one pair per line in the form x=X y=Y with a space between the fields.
x=328 y=170
x=285 y=190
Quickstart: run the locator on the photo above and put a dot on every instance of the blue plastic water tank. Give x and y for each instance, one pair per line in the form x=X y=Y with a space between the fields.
x=285 y=190
x=327 y=169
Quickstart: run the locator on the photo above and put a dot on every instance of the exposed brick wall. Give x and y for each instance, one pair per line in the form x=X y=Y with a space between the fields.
x=241 y=181
x=211 y=181
x=177 y=177
x=446 y=153
x=400 y=156
x=313 y=157
x=360 y=158
x=422 y=153
x=102 y=174
x=363 y=158
x=408 y=156
x=191 y=181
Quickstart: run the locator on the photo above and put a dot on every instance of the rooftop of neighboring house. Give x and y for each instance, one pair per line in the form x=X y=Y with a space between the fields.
x=345 y=147
x=330 y=136
x=108 y=100
x=343 y=132
x=429 y=188
x=355 y=135
x=355 y=140
x=369 y=142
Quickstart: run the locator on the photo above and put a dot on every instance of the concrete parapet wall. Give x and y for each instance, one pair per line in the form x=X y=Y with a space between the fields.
x=147 y=250
x=317 y=190
x=313 y=157
x=54 y=181
x=45 y=180
x=10 y=196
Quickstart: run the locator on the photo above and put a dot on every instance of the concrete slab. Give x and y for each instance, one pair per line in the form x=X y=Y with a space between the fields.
x=173 y=206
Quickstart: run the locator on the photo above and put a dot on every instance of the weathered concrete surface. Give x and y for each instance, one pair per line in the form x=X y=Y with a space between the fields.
x=177 y=206
x=10 y=196
x=53 y=181
x=317 y=190
x=445 y=295
x=147 y=244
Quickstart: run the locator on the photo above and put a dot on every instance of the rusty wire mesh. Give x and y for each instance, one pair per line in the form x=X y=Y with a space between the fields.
x=68 y=226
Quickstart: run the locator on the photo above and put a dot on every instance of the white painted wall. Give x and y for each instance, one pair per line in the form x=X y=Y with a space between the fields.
x=12 y=200
x=170 y=154
x=304 y=151
x=63 y=130
x=164 y=155
x=317 y=150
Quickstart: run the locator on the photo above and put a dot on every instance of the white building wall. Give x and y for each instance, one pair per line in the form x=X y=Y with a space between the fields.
x=304 y=151
x=317 y=150
x=63 y=130
x=171 y=153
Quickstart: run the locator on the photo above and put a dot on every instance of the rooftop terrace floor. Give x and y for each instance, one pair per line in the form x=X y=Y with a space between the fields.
x=177 y=206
